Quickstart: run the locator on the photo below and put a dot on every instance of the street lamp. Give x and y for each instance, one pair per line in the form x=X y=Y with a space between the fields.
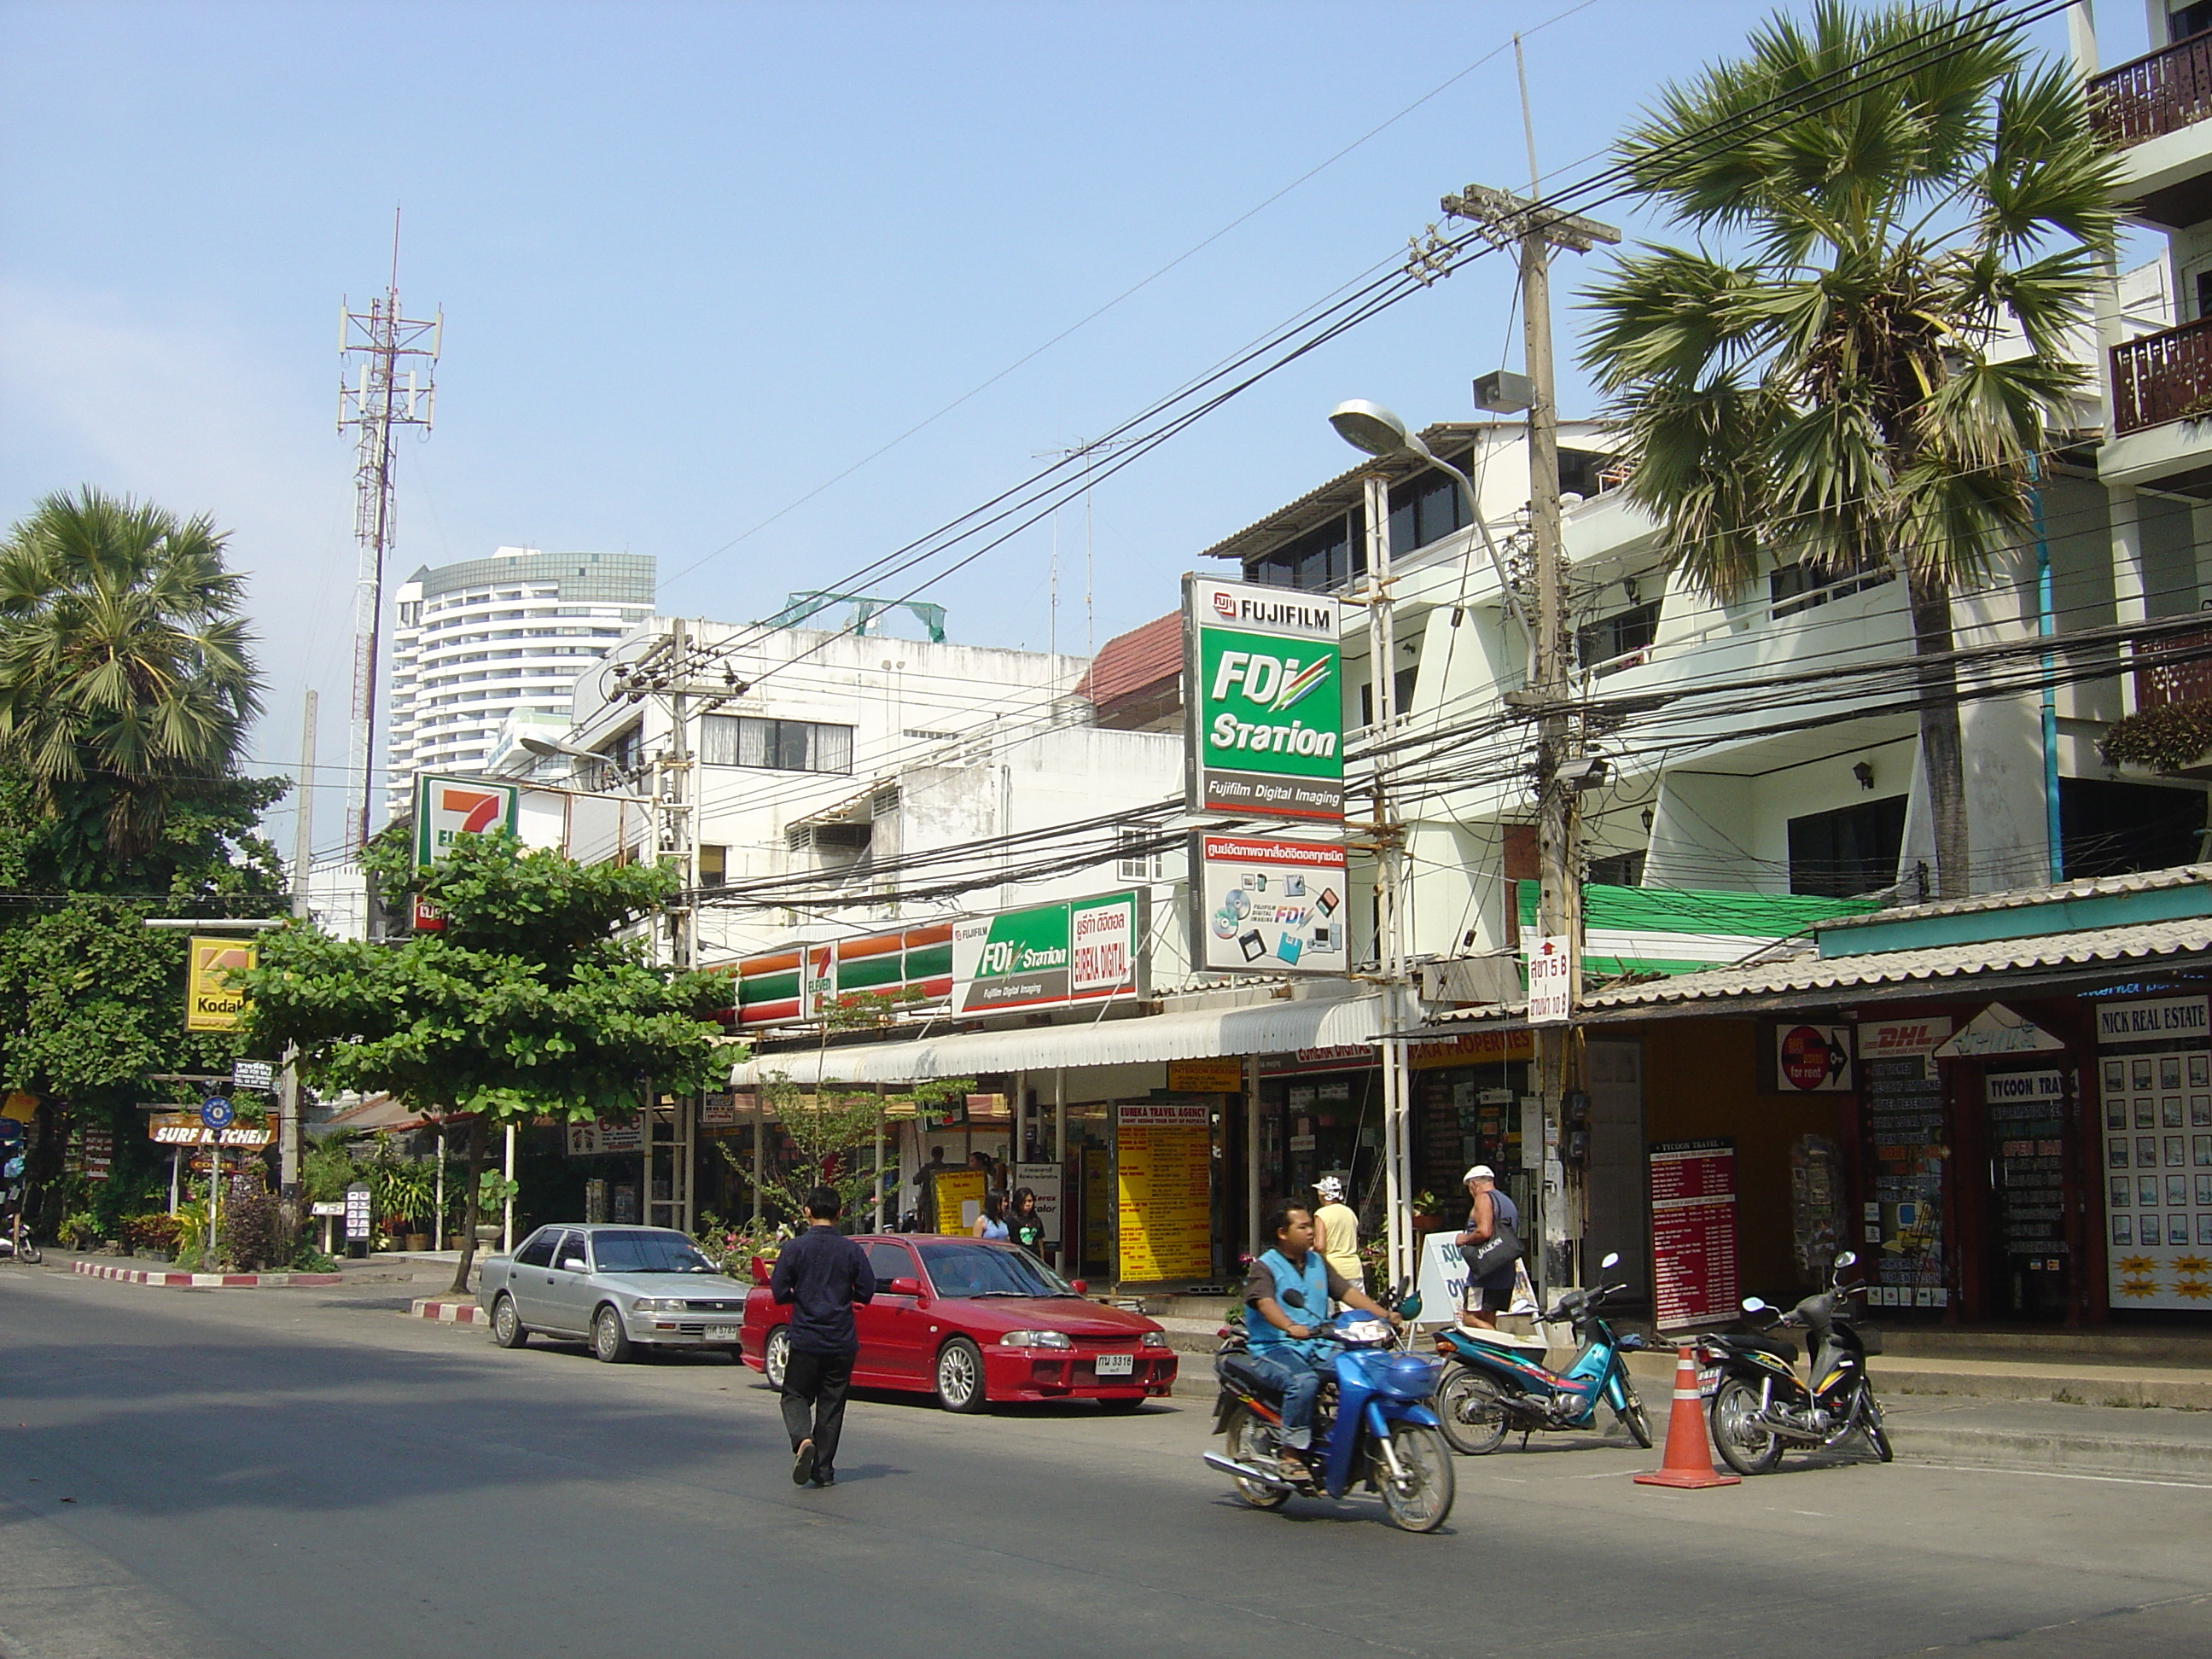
x=552 y=748
x=1374 y=430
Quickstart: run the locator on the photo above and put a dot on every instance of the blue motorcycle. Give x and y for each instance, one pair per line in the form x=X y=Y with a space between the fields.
x=1371 y=1425
x=1494 y=1383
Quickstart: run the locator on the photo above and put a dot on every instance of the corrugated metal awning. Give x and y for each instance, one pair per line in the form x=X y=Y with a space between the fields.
x=1267 y=1027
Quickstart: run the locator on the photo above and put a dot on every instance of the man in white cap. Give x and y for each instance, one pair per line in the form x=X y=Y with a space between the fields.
x=1338 y=1230
x=1491 y=1245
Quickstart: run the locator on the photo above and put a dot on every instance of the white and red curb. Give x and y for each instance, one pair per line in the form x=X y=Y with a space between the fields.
x=448 y=1312
x=202 y=1281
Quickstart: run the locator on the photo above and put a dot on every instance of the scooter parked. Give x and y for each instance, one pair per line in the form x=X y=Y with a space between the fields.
x=1495 y=1382
x=1371 y=1425
x=1760 y=1407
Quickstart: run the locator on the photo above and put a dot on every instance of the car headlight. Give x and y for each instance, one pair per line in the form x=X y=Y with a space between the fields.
x=656 y=1305
x=1155 y=1338
x=1036 y=1340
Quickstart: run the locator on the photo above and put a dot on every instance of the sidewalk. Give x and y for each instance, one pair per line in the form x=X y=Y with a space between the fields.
x=388 y=1268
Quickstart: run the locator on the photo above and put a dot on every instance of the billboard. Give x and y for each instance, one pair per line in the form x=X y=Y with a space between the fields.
x=1047 y=956
x=905 y=968
x=446 y=807
x=211 y=1003
x=1261 y=905
x=1264 y=726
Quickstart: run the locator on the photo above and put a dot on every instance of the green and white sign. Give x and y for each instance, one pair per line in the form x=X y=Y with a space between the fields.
x=1082 y=950
x=1265 y=736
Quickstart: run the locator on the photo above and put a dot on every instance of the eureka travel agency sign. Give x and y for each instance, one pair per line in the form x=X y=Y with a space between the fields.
x=1265 y=699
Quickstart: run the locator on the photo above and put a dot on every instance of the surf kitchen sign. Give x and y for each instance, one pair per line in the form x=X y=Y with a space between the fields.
x=1265 y=732
x=1050 y=956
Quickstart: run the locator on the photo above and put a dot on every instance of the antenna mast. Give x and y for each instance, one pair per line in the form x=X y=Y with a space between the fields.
x=385 y=383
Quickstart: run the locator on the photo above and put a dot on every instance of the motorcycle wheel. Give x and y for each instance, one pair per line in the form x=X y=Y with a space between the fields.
x=1871 y=1426
x=1420 y=1500
x=1245 y=1438
x=1633 y=1419
x=1467 y=1406
x=1743 y=1445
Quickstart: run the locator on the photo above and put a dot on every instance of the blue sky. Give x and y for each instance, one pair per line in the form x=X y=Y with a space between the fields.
x=695 y=260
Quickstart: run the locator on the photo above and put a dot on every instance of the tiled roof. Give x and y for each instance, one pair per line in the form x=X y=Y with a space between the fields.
x=2146 y=881
x=1131 y=662
x=1717 y=989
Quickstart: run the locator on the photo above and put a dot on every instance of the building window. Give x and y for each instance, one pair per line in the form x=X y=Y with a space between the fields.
x=1843 y=854
x=1799 y=587
x=714 y=865
x=1624 y=635
x=775 y=745
x=1617 y=870
x=1135 y=862
x=1319 y=561
x=622 y=749
x=1426 y=509
x=2109 y=828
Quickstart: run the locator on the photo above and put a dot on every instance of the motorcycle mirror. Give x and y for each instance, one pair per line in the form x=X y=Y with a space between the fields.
x=1847 y=1258
x=1753 y=1304
x=1612 y=1260
x=1294 y=1298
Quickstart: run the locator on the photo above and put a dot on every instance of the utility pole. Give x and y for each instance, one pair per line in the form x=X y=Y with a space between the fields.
x=387 y=383
x=303 y=848
x=1532 y=230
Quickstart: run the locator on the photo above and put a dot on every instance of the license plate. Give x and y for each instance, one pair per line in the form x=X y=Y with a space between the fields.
x=1114 y=1365
x=721 y=1333
x=1709 y=1382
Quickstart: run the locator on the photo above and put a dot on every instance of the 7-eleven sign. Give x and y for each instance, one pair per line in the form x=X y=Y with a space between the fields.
x=447 y=807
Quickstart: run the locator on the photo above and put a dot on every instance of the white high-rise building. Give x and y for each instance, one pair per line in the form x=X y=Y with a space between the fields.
x=480 y=640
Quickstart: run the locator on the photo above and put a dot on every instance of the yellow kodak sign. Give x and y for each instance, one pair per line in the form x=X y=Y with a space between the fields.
x=212 y=1002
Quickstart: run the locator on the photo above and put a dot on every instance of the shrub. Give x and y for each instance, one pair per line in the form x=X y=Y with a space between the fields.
x=255 y=1231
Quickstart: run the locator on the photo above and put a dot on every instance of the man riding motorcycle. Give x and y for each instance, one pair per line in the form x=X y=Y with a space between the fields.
x=1286 y=1298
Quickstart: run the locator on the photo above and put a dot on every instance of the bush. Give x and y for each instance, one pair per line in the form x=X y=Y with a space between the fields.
x=255 y=1231
x=152 y=1233
x=2167 y=738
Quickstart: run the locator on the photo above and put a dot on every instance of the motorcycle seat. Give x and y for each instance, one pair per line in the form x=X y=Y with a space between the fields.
x=1780 y=1346
x=1237 y=1367
x=1502 y=1338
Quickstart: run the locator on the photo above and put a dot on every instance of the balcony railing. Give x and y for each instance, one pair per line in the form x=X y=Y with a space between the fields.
x=2177 y=682
x=2161 y=377
x=2162 y=91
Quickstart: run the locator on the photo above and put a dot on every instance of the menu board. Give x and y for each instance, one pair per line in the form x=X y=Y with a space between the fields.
x=1903 y=1101
x=1693 y=1232
x=959 y=1199
x=1163 y=1172
x=2157 y=1112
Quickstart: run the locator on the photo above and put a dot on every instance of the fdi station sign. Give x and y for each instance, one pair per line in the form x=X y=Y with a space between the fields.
x=1264 y=735
x=1260 y=904
x=1049 y=956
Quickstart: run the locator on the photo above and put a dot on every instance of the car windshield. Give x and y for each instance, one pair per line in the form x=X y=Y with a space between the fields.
x=964 y=1270
x=645 y=1251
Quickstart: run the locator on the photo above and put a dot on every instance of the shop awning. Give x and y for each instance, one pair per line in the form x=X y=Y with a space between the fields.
x=1267 y=1027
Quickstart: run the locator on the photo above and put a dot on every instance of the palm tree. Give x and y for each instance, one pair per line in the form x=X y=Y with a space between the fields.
x=124 y=677
x=1864 y=379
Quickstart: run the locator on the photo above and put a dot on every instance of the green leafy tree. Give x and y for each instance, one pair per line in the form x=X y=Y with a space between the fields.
x=529 y=1003
x=125 y=680
x=1841 y=388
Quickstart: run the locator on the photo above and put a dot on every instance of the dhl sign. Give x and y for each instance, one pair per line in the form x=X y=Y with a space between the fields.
x=1899 y=1039
x=213 y=1001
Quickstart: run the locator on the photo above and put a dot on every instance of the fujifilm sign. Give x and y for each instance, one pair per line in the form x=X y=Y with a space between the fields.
x=1265 y=733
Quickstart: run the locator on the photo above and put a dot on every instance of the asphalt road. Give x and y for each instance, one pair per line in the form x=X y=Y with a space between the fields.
x=215 y=1476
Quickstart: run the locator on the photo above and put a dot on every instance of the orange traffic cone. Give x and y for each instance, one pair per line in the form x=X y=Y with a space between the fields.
x=1689 y=1459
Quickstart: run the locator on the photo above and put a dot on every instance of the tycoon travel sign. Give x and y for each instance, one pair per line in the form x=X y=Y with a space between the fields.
x=1265 y=728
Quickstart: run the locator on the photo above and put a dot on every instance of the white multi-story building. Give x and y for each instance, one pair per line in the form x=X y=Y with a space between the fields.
x=478 y=640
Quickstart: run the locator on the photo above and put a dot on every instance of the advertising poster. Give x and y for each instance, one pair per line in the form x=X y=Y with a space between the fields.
x=2155 y=1094
x=1266 y=906
x=1084 y=950
x=1813 y=1060
x=1163 y=1171
x=1693 y=1232
x=1902 y=1112
x=1264 y=732
x=1043 y=1180
x=959 y=1199
x=1442 y=1283
x=603 y=1137
x=211 y=1001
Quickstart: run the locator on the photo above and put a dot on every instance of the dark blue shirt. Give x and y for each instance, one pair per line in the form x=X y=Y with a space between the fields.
x=822 y=1273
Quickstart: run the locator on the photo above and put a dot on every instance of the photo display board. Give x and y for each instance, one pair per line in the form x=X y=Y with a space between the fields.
x=1264 y=726
x=2155 y=1074
x=1264 y=906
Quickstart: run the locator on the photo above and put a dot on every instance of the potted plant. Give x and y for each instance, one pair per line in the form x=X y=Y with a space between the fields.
x=1428 y=1215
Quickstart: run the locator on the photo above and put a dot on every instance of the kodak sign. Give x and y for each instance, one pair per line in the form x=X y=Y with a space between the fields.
x=213 y=1001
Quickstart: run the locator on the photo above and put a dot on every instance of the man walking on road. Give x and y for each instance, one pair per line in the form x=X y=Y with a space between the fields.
x=821 y=1274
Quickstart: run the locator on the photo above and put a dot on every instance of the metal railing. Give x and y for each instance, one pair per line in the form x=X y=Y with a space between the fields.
x=2177 y=682
x=2161 y=377
x=2160 y=92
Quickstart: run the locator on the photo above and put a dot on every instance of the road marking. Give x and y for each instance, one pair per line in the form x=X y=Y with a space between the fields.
x=2056 y=1474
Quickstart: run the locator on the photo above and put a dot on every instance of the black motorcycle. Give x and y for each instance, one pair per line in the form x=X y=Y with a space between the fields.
x=1761 y=1407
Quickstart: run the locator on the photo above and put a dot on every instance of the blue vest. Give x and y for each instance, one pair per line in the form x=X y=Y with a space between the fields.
x=1312 y=1285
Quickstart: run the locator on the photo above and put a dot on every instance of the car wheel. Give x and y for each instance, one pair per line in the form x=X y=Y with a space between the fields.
x=776 y=1356
x=960 y=1376
x=609 y=1342
x=506 y=1326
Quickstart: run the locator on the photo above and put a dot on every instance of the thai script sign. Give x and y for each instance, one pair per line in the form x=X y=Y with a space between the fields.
x=1261 y=905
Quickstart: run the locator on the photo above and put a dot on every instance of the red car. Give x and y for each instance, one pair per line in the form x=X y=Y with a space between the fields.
x=972 y=1321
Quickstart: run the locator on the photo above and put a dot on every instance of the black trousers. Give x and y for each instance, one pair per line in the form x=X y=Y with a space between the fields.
x=814 y=1389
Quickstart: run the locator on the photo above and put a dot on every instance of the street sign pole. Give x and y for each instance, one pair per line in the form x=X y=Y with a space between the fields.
x=216 y=1116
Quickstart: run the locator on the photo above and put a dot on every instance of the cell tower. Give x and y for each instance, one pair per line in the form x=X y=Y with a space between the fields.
x=387 y=383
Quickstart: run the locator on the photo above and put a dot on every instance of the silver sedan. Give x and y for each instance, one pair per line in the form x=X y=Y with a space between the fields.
x=618 y=1288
